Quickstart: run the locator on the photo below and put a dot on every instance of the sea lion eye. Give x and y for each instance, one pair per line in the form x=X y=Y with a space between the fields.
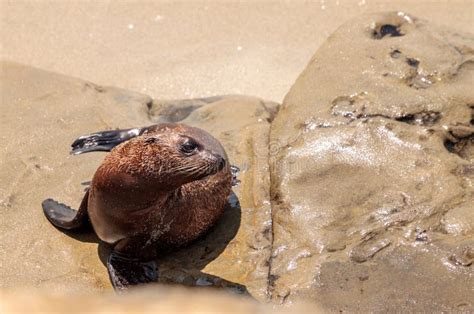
x=189 y=147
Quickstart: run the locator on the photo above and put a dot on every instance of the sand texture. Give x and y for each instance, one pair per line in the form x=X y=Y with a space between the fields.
x=190 y=49
x=356 y=192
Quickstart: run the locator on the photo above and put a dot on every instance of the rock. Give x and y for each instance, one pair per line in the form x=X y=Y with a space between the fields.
x=371 y=170
x=356 y=194
x=242 y=124
x=42 y=113
x=140 y=300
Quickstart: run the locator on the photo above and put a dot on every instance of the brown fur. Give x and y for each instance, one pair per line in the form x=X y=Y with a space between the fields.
x=146 y=189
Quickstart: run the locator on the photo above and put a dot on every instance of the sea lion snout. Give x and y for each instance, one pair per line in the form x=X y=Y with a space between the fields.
x=218 y=160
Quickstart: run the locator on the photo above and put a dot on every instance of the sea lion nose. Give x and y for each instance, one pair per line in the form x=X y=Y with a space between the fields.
x=222 y=163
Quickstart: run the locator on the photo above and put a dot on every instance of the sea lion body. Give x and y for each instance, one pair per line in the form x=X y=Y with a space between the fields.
x=129 y=198
x=163 y=186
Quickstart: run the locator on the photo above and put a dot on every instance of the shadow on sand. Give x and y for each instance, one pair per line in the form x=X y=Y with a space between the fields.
x=183 y=266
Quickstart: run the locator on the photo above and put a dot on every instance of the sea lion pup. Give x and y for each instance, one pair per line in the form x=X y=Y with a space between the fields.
x=160 y=186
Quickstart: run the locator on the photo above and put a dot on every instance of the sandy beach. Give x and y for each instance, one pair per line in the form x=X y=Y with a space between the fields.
x=187 y=49
x=352 y=123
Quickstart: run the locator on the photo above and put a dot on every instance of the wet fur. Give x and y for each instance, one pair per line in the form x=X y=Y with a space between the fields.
x=145 y=187
x=149 y=193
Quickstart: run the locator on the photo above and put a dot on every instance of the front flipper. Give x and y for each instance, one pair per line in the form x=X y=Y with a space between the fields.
x=125 y=271
x=103 y=141
x=63 y=216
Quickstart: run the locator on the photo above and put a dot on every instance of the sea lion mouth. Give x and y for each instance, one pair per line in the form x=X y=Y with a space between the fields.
x=215 y=163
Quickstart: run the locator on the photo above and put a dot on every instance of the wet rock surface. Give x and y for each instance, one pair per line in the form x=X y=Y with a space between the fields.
x=238 y=249
x=371 y=171
x=42 y=113
x=356 y=194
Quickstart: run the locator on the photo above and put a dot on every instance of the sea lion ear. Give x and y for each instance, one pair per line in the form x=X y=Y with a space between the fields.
x=152 y=140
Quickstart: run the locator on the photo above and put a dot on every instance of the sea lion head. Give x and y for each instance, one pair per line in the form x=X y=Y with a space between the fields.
x=183 y=155
x=168 y=156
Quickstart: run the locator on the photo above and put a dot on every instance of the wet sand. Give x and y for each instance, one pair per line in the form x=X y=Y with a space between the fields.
x=191 y=48
x=378 y=97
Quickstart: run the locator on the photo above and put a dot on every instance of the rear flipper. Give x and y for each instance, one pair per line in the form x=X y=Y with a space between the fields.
x=125 y=272
x=63 y=216
x=104 y=141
